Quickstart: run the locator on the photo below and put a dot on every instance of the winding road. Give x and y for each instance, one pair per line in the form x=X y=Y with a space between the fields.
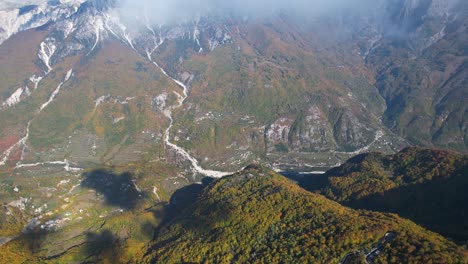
x=373 y=253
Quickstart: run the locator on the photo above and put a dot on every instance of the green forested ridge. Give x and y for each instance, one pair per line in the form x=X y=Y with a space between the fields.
x=425 y=185
x=259 y=216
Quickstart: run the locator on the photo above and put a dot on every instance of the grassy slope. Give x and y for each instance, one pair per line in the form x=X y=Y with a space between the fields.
x=96 y=230
x=113 y=71
x=17 y=57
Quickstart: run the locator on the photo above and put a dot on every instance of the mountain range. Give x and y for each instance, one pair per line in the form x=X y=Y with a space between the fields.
x=104 y=99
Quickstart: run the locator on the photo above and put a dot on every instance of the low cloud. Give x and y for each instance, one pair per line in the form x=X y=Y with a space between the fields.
x=167 y=11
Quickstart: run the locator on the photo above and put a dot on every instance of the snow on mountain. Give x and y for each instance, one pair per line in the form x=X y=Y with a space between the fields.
x=80 y=26
x=94 y=21
x=15 y=18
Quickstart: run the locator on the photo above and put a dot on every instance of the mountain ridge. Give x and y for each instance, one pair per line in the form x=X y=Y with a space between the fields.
x=234 y=219
x=424 y=185
x=96 y=105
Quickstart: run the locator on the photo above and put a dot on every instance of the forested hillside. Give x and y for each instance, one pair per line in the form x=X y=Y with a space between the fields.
x=425 y=185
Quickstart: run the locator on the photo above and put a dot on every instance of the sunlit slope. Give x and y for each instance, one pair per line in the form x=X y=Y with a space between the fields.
x=111 y=107
x=273 y=92
x=259 y=216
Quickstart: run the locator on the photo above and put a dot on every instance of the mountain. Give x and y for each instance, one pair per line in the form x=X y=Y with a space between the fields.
x=278 y=89
x=424 y=185
x=109 y=110
x=421 y=72
x=258 y=215
x=15 y=17
x=255 y=214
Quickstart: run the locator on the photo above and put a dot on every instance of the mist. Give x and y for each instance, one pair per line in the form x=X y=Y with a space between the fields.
x=169 y=11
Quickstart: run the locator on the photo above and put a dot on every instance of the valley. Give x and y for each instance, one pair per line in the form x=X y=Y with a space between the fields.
x=168 y=113
x=134 y=133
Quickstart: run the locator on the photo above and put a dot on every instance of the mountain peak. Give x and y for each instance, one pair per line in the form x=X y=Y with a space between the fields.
x=97 y=5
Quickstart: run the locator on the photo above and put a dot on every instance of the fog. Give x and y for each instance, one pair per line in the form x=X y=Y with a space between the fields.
x=167 y=11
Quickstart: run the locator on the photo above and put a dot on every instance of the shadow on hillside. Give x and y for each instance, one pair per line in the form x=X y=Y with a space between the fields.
x=181 y=199
x=188 y=194
x=33 y=240
x=181 y=204
x=310 y=182
x=439 y=205
x=119 y=190
x=102 y=246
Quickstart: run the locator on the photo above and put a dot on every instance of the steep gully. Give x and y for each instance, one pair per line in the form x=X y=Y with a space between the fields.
x=168 y=113
x=23 y=141
x=46 y=51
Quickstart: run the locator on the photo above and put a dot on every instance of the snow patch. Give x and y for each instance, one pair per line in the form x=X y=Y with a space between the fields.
x=21 y=142
x=14 y=98
x=98 y=27
x=102 y=99
x=63 y=182
x=46 y=51
x=160 y=102
x=67 y=28
x=36 y=80
x=118 y=119
x=66 y=165
x=21 y=203
x=57 y=90
x=155 y=191
x=21 y=92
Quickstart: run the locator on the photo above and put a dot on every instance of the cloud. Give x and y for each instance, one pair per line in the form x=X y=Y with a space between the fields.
x=166 y=11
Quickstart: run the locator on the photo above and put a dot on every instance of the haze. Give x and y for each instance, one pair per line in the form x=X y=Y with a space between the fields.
x=166 y=11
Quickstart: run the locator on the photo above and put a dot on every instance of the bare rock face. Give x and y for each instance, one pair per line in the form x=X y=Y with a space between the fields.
x=14 y=18
x=316 y=131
